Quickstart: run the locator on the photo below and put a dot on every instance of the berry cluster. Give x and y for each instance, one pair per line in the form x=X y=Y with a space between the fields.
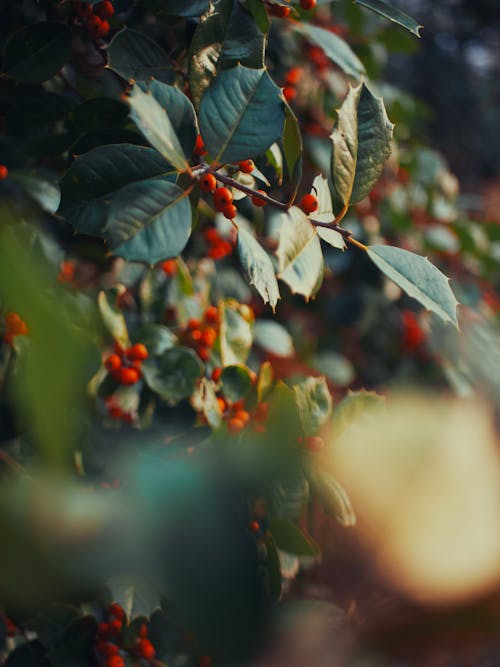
x=218 y=247
x=202 y=334
x=4 y=172
x=95 y=17
x=14 y=326
x=223 y=202
x=236 y=415
x=109 y=644
x=124 y=366
x=292 y=78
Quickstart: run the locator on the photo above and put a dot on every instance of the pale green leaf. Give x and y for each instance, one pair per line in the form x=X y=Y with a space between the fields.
x=314 y=403
x=392 y=14
x=258 y=267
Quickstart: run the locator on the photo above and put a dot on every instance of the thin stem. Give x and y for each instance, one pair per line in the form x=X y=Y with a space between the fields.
x=358 y=244
x=332 y=225
x=227 y=180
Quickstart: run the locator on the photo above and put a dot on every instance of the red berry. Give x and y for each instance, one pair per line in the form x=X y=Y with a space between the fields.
x=243 y=416
x=309 y=203
x=115 y=661
x=143 y=631
x=129 y=376
x=254 y=526
x=115 y=626
x=146 y=649
x=280 y=11
x=212 y=315
x=199 y=147
x=93 y=23
x=104 y=10
x=230 y=211
x=4 y=172
x=169 y=267
x=308 y=4
x=115 y=412
x=193 y=323
x=113 y=362
x=103 y=29
x=216 y=373
x=222 y=197
x=289 y=93
x=203 y=353
x=117 y=611
x=208 y=337
x=138 y=352
x=208 y=183
x=293 y=76
x=314 y=443
x=257 y=201
x=239 y=405
x=235 y=425
x=196 y=335
x=246 y=166
x=103 y=629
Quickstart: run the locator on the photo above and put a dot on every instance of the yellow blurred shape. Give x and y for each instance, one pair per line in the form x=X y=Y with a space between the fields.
x=424 y=480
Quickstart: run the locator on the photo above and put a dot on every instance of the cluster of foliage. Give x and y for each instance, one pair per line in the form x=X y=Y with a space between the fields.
x=171 y=170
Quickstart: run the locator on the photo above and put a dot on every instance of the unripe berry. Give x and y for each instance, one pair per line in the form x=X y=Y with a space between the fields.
x=212 y=315
x=308 y=4
x=208 y=183
x=104 y=10
x=314 y=443
x=309 y=203
x=235 y=425
x=246 y=166
x=230 y=212
x=146 y=649
x=129 y=376
x=138 y=352
x=113 y=362
x=257 y=201
x=222 y=197
x=4 y=172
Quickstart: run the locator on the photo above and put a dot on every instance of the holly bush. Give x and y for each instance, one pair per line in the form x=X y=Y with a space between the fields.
x=214 y=264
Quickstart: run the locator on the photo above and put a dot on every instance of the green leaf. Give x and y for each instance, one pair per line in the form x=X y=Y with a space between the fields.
x=333 y=498
x=236 y=326
x=156 y=337
x=357 y=405
x=173 y=375
x=236 y=382
x=290 y=538
x=136 y=596
x=226 y=36
x=418 y=278
x=241 y=114
x=37 y=52
x=99 y=113
x=148 y=221
x=93 y=177
x=136 y=57
x=324 y=213
x=361 y=144
x=290 y=495
x=299 y=254
x=204 y=400
x=258 y=267
x=336 y=49
x=274 y=338
x=392 y=14
x=153 y=120
x=292 y=151
x=112 y=316
x=314 y=403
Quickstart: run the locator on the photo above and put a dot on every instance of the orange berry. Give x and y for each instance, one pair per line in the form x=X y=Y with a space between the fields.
x=314 y=443
x=254 y=526
x=115 y=661
x=138 y=352
x=169 y=267
x=222 y=197
x=222 y=403
x=203 y=353
x=13 y=321
x=239 y=405
x=309 y=203
x=113 y=362
x=243 y=416
x=216 y=373
x=246 y=166
x=308 y=4
x=235 y=425
x=280 y=11
x=104 y=10
x=129 y=376
x=211 y=315
x=4 y=172
x=199 y=146
x=289 y=93
x=196 y=335
x=146 y=649
x=257 y=201
x=209 y=336
x=208 y=183
x=293 y=76
x=193 y=323
x=230 y=211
